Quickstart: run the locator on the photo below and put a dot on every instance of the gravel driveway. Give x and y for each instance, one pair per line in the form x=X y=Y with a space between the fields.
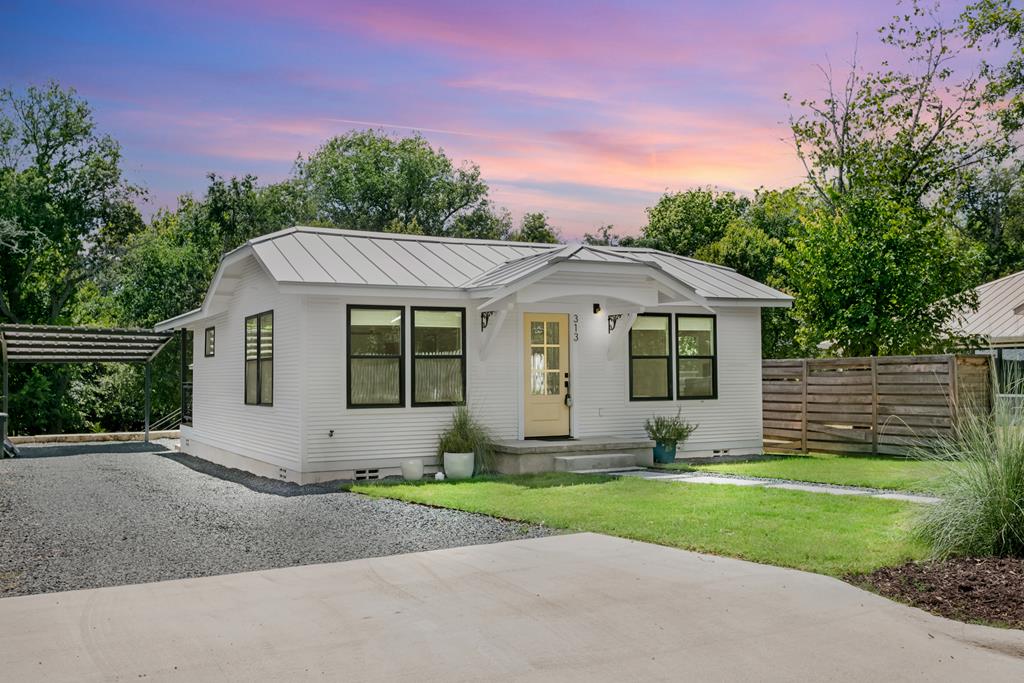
x=112 y=516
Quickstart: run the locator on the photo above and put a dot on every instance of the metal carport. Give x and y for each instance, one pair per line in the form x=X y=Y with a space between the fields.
x=58 y=344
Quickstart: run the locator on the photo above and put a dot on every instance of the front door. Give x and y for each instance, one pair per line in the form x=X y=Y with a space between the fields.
x=547 y=374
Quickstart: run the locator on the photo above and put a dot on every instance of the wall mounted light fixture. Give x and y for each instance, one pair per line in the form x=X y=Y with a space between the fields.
x=597 y=308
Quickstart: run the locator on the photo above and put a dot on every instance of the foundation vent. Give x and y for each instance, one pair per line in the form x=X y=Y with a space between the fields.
x=365 y=475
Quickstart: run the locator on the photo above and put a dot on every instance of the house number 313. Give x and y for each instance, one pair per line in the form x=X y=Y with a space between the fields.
x=576 y=327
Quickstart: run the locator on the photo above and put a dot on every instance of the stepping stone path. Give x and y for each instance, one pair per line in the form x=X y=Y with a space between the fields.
x=735 y=480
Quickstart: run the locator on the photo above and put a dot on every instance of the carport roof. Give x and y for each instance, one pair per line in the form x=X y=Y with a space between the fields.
x=60 y=344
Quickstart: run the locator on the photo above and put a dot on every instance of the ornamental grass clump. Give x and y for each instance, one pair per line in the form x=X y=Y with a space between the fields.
x=981 y=512
x=466 y=435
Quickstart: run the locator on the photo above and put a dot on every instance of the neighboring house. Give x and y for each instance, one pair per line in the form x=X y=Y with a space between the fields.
x=322 y=353
x=999 y=320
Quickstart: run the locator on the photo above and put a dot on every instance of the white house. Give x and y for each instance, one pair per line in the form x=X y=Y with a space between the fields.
x=999 y=321
x=322 y=353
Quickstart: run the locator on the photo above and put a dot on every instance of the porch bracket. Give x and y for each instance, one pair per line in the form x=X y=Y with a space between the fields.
x=490 y=329
x=618 y=334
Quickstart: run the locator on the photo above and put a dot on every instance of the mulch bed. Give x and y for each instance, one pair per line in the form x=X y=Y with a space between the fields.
x=987 y=590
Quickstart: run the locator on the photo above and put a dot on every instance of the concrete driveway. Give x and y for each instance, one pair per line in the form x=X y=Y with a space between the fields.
x=579 y=607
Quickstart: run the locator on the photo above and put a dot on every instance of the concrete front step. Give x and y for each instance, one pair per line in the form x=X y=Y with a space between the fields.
x=613 y=470
x=594 y=461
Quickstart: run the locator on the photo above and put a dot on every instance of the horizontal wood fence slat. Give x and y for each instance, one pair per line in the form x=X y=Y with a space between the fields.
x=861 y=406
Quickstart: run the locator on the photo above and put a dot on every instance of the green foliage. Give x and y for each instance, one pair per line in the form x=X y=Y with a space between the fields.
x=684 y=222
x=367 y=180
x=876 y=277
x=605 y=236
x=464 y=435
x=65 y=209
x=996 y=28
x=992 y=214
x=535 y=228
x=669 y=430
x=912 y=134
x=982 y=491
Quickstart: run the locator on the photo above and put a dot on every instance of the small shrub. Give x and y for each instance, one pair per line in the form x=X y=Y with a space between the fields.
x=669 y=430
x=982 y=508
x=465 y=434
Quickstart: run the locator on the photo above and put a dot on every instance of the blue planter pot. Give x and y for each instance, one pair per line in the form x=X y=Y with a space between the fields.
x=664 y=453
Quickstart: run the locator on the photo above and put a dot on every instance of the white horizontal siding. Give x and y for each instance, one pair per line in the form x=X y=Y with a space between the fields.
x=371 y=434
x=733 y=420
x=220 y=417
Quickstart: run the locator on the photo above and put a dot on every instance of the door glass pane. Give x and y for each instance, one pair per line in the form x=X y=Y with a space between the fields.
x=437 y=333
x=553 y=383
x=536 y=333
x=376 y=332
x=650 y=378
x=552 y=333
x=649 y=336
x=537 y=385
x=374 y=381
x=696 y=336
x=438 y=380
x=536 y=357
x=553 y=358
x=695 y=379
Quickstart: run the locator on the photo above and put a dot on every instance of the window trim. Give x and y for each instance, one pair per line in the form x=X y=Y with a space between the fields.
x=713 y=357
x=207 y=346
x=259 y=360
x=413 y=356
x=671 y=366
x=348 y=356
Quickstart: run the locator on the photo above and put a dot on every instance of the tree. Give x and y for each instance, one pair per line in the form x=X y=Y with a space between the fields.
x=683 y=222
x=367 y=180
x=535 y=228
x=875 y=276
x=996 y=28
x=65 y=207
x=605 y=236
x=755 y=244
x=916 y=134
x=993 y=215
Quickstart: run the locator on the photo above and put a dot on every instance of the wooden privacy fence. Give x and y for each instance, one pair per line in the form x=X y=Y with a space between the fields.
x=887 y=405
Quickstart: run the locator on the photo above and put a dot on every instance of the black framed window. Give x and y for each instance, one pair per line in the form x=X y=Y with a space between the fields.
x=259 y=359
x=650 y=358
x=697 y=356
x=210 y=342
x=376 y=356
x=438 y=356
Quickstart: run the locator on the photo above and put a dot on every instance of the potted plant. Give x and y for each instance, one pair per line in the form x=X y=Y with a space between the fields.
x=464 y=446
x=667 y=432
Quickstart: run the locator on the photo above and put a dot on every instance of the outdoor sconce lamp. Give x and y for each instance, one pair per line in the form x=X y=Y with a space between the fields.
x=597 y=308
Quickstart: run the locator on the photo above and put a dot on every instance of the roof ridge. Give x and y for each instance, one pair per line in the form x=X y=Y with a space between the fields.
x=400 y=236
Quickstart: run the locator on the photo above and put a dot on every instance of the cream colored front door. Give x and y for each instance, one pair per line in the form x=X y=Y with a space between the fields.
x=546 y=342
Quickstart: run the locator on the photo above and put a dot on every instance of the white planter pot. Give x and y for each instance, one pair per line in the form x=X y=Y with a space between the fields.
x=458 y=465
x=412 y=470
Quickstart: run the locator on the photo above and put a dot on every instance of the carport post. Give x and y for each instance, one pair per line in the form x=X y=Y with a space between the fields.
x=3 y=371
x=148 y=380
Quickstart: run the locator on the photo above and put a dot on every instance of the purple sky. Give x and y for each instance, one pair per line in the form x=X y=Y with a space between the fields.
x=584 y=110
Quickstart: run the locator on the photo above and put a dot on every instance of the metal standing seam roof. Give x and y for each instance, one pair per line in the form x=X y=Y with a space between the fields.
x=348 y=257
x=59 y=344
x=996 y=317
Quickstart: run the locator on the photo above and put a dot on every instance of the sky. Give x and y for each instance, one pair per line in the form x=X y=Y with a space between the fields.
x=585 y=110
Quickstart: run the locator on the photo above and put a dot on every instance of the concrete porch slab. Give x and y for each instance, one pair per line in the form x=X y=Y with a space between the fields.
x=581 y=607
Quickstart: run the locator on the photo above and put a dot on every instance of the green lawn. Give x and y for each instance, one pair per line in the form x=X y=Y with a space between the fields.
x=873 y=472
x=812 y=531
